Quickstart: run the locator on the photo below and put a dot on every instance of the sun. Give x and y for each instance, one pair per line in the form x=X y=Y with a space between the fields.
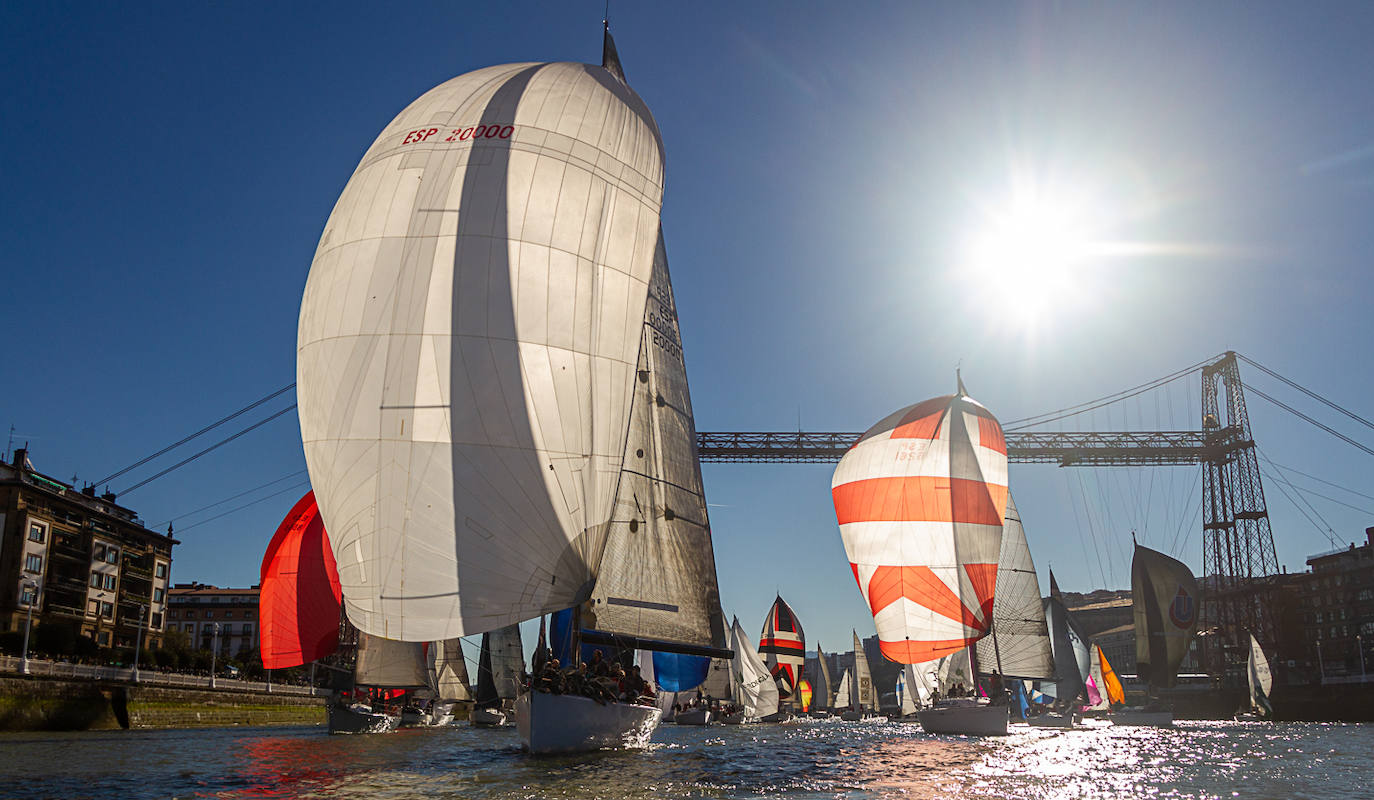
x=1032 y=252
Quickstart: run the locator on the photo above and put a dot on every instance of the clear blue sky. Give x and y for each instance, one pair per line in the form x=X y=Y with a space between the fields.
x=168 y=168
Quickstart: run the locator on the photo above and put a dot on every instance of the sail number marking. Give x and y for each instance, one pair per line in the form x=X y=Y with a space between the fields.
x=460 y=134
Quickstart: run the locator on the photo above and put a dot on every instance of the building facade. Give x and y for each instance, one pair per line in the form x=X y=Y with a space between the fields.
x=212 y=617
x=69 y=557
x=1335 y=601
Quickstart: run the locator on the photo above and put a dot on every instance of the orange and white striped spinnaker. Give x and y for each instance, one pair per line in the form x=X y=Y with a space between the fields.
x=920 y=500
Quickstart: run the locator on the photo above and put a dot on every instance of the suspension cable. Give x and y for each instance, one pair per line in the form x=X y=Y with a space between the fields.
x=1303 y=416
x=214 y=446
x=225 y=500
x=204 y=430
x=1091 y=405
x=1306 y=391
x=236 y=509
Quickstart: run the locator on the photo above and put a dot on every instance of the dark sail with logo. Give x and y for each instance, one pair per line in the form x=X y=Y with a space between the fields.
x=1164 y=597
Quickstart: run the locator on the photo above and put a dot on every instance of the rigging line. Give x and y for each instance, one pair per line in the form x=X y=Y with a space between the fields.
x=1319 y=480
x=214 y=446
x=1306 y=491
x=206 y=429
x=1306 y=418
x=1173 y=546
x=225 y=500
x=1125 y=394
x=245 y=505
x=1306 y=391
x=1278 y=482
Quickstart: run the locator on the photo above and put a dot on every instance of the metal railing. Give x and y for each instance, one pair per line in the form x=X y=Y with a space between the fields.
x=149 y=677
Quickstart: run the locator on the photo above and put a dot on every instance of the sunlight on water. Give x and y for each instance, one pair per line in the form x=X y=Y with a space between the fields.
x=849 y=761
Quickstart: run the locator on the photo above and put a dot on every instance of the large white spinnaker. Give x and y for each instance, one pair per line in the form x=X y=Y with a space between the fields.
x=1020 y=642
x=467 y=347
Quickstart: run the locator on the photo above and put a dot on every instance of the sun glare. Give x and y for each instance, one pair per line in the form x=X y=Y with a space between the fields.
x=1032 y=254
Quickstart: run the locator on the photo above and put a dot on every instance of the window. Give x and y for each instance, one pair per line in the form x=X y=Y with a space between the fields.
x=157 y=595
x=33 y=563
x=100 y=552
x=247 y=630
x=161 y=570
x=229 y=614
x=93 y=607
x=157 y=620
x=37 y=533
x=1367 y=629
x=112 y=556
x=109 y=582
x=190 y=613
x=104 y=638
x=107 y=610
x=29 y=595
x=248 y=615
x=96 y=580
x=209 y=615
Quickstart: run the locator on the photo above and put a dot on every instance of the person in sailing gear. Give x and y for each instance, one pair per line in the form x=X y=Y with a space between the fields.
x=598 y=668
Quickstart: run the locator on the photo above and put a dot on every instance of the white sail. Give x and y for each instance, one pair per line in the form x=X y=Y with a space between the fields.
x=450 y=671
x=391 y=664
x=863 y=679
x=1020 y=642
x=1261 y=679
x=719 y=683
x=507 y=661
x=467 y=345
x=842 y=698
x=755 y=688
x=953 y=672
x=822 y=693
x=906 y=690
x=658 y=574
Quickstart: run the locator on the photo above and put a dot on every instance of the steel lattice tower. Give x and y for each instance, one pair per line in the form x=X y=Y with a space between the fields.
x=1238 y=555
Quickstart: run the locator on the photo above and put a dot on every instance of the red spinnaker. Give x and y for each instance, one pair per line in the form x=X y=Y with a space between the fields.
x=300 y=596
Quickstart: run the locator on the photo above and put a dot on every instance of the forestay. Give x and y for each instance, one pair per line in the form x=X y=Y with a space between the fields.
x=920 y=501
x=467 y=345
x=657 y=583
x=1020 y=642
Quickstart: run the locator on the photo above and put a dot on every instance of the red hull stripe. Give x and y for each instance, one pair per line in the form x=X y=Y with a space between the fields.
x=914 y=652
x=919 y=498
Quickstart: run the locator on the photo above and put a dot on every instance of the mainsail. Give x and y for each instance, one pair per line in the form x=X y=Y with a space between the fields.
x=1164 y=597
x=467 y=348
x=507 y=660
x=754 y=686
x=1020 y=642
x=657 y=585
x=300 y=598
x=823 y=682
x=920 y=501
x=863 y=679
x=1067 y=644
x=783 y=646
x=1261 y=680
x=391 y=664
x=450 y=671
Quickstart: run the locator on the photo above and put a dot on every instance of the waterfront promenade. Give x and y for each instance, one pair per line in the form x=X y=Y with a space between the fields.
x=65 y=670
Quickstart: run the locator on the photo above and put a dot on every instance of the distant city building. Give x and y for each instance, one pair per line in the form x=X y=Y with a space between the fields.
x=79 y=560
x=1335 y=601
x=196 y=609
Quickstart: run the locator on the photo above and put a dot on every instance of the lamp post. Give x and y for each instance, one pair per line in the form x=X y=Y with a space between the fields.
x=1359 y=644
x=1321 y=670
x=214 y=653
x=138 y=643
x=28 y=621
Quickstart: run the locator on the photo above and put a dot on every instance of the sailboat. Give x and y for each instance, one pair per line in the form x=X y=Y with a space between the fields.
x=386 y=669
x=752 y=692
x=865 y=700
x=822 y=702
x=1164 y=599
x=492 y=398
x=1261 y=683
x=920 y=501
x=499 y=667
x=783 y=646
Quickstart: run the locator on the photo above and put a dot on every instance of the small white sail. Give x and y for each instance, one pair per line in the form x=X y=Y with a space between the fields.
x=755 y=688
x=1261 y=679
x=842 y=699
x=450 y=671
x=507 y=661
x=823 y=694
x=908 y=692
x=863 y=679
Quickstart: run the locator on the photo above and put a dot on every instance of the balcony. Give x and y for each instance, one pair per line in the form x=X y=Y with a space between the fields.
x=62 y=610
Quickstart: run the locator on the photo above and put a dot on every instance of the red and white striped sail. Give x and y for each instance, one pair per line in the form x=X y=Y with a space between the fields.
x=920 y=500
x=783 y=646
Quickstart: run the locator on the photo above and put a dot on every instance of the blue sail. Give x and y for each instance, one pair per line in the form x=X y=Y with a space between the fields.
x=561 y=637
x=680 y=673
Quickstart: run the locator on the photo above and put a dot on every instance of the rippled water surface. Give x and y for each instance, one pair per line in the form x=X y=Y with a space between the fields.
x=810 y=760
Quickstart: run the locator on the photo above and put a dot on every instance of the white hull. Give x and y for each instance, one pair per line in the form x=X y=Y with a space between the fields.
x=694 y=716
x=490 y=718
x=563 y=723
x=965 y=718
x=1140 y=717
x=347 y=720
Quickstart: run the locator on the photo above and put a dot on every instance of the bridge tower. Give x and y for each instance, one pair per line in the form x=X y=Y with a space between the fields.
x=1238 y=555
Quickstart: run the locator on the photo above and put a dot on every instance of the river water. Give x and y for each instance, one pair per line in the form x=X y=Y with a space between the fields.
x=810 y=760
